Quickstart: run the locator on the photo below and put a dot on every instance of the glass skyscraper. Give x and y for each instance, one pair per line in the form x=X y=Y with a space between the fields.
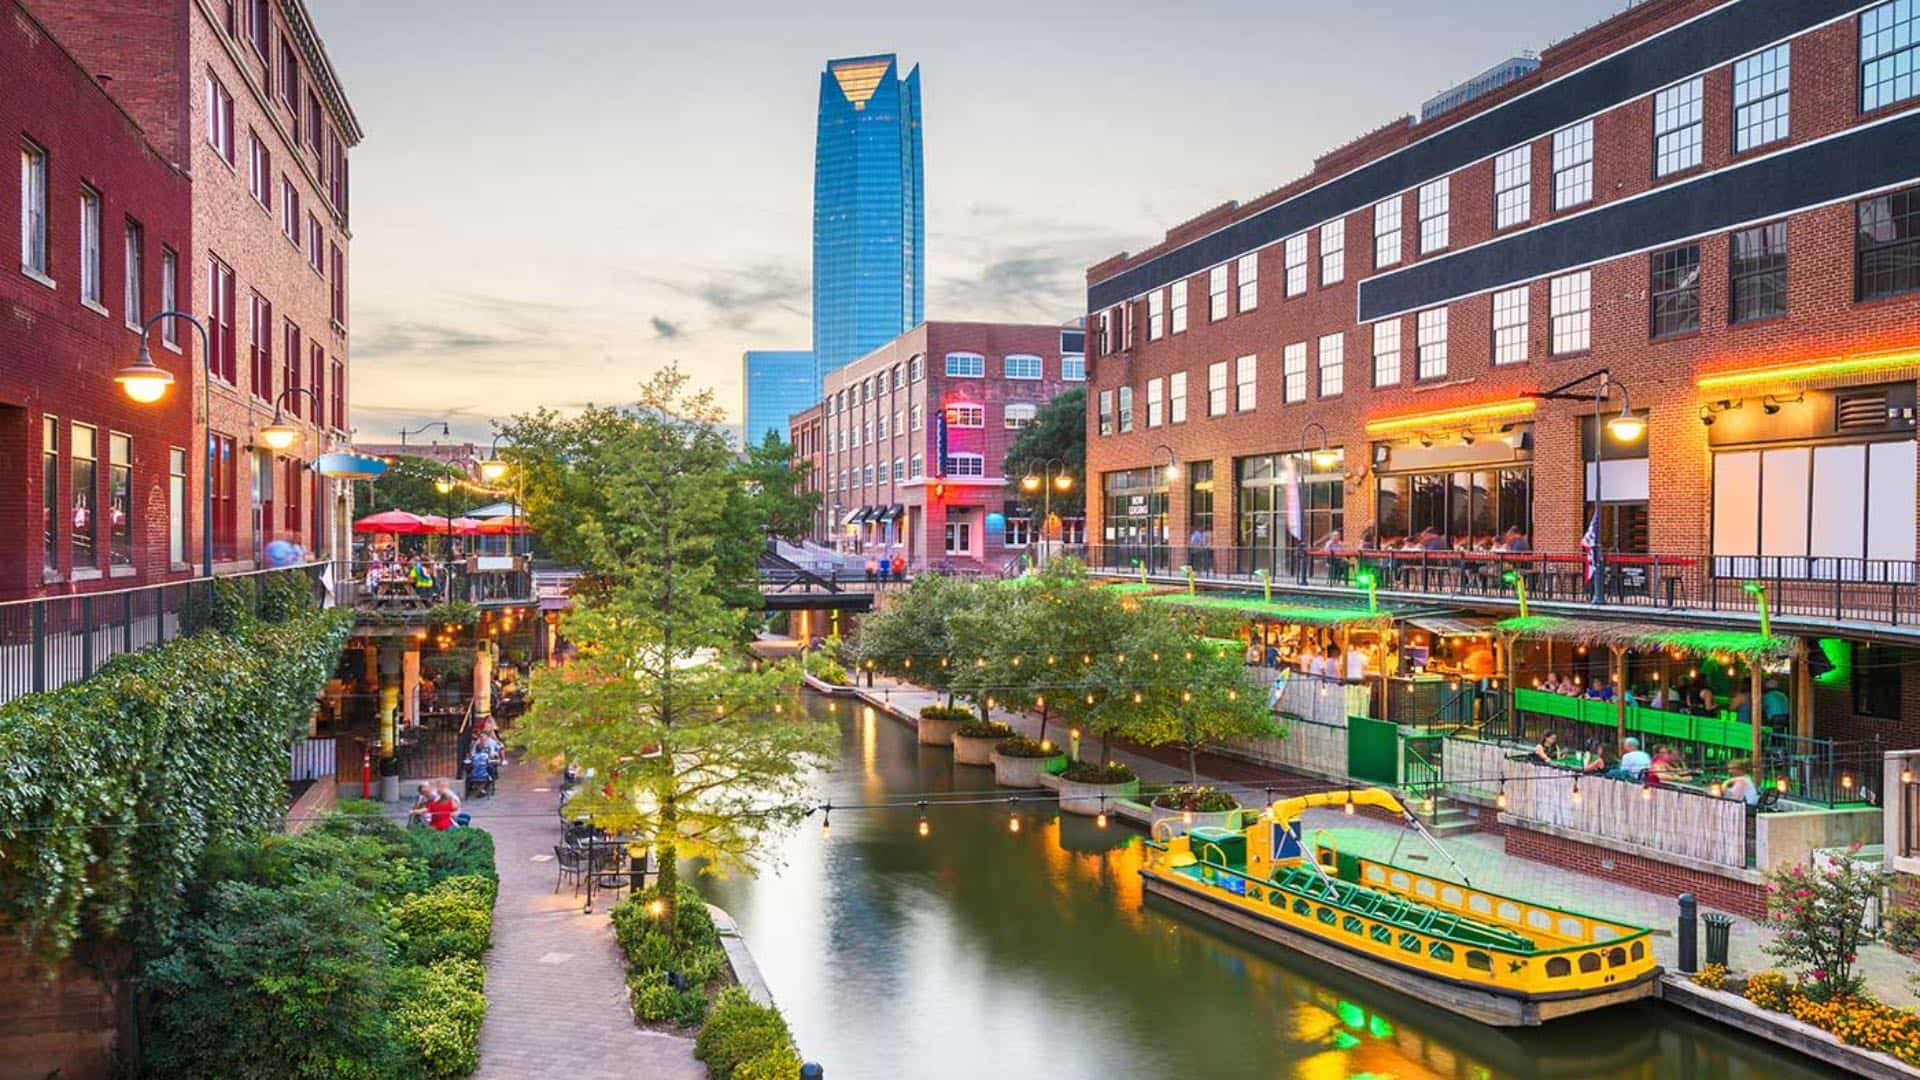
x=778 y=384
x=869 y=218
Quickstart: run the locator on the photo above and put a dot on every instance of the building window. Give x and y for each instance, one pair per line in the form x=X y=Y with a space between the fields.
x=1386 y=232
x=1245 y=372
x=1106 y=412
x=1676 y=127
x=1430 y=343
x=1573 y=165
x=1513 y=187
x=119 y=499
x=258 y=26
x=1296 y=251
x=1757 y=273
x=1834 y=512
x=226 y=481
x=1623 y=487
x=1217 y=293
x=1386 y=353
x=959 y=536
x=964 y=465
x=1126 y=409
x=316 y=245
x=1156 y=402
x=966 y=416
x=1674 y=284
x=259 y=170
x=1135 y=517
x=1889 y=53
x=1126 y=324
x=1333 y=365
x=1177 y=398
x=1200 y=514
x=1023 y=367
x=1217 y=389
x=50 y=511
x=337 y=286
x=1156 y=314
x=1469 y=508
x=894 y=377
x=337 y=395
x=1293 y=372
x=1887 y=245
x=1016 y=530
x=866 y=474
x=1568 y=309
x=913 y=417
x=169 y=294
x=132 y=296
x=1104 y=346
x=1434 y=201
x=913 y=466
x=914 y=371
x=176 y=506
x=966 y=366
x=260 y=352
x=899 y=470
x=33 y=210
x=89 y=246
x=1177 y=316
x=83 y=490
x=290 y=367
x=1286 y=504
x=219 y=118
x=1333 y=252
x=290 y=210
x=1760 y=97
x=221 y=354
x=1019 y=414
x=1247 y=271
x=1510 y=326
x=1073 y=367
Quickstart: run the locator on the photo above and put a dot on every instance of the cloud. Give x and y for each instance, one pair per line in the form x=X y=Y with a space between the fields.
x=996 y=264
x=740 y=298
x=408 y=336
x=664 y=330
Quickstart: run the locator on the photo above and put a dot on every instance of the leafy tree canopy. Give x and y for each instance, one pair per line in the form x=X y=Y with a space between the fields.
x=1058 y=431
x=406 y=485
x=778 y=480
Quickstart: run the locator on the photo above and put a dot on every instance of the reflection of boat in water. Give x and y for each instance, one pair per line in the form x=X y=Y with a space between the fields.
x=1496 y=959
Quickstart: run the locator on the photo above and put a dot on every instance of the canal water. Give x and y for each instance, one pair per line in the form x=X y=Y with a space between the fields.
x=978 y=952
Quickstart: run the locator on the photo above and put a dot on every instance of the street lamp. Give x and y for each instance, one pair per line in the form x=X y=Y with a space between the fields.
x=1053 y=475
x=279 y=435
x=1172 y=474
x=491 y=470
x=1323 y=456
x=445 y=432
x=1623 y=427
x=145 y=382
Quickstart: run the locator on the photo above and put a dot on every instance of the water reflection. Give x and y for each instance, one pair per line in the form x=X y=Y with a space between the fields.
x=975 y=951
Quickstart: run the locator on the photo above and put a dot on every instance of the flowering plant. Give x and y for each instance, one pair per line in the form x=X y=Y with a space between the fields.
x=1818 y=918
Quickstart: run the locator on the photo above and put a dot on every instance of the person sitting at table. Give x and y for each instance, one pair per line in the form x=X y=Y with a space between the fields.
x=1356 y=665
x=1634 y=762
x=1570 y=687
x=443 y=806
x=420 y=577
x=1516 y=540
x=1775 y=710
x=1740 y=785
x=1431 y=540
x=1658 y=698
x=373 y=577
x=1546 y=749
x=1742 y=705
x=1667 y=767
x=1594 y=759
x=1597 y=692
x=1551 y=685
x=1704 y=702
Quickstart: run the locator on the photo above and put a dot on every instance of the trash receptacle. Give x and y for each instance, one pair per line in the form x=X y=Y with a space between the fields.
x=1719 y=928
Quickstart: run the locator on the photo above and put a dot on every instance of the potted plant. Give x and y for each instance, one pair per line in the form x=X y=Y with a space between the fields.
x=973 y=741
x=1086 y=788
x=937 y=724
x=1192 y=805
x=1020 y=762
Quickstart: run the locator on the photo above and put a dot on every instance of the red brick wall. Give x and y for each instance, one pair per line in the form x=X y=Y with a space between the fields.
x=58 y=357
x=1649 y=875
x=66 y=1023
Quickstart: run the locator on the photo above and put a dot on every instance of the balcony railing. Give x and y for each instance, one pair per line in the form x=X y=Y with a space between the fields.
x=1883 y=591
x=394 y=588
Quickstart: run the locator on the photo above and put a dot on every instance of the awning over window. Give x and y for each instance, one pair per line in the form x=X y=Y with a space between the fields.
x=896 y=512
x=857 y=515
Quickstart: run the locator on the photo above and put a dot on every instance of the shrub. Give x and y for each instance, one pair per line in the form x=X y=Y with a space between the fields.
x=780 y=1063
x=654 y=999
x=1711 y=977
x=1022 y=747
x=454 y=853
x=821 y=665
x=658 y=957
x=984 y=729
x=1199 y=800
x=436 y=1013
x=1767 y=989
x=477 y=889
x=1818 y=917
x=1088 y=772
x=362 y=862
x=286 y=595
x=1862 y=1022
x=739 y=1030
x=1900 y=929
x=434 y=925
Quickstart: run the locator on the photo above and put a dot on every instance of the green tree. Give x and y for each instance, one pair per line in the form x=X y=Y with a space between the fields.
x=1190 y=695
x=778 y=479
x=1058 y=431
x=406 y=485
x=1046 y=639
x=911 y=636
x=690 y=746
x=1819 y=920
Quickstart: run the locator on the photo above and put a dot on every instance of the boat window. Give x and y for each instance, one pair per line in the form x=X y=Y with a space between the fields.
x=1479 y=961
x=1509 y=912
x=1401 y=881
x=1616 y=957
x=1558 y=967
x=1353 y=925
x=1441 y=951
x=1325 y=915
x=1301 y=907
x=1479 y=905
x=1376 y=874
x=1637 y=950
x=1277 y=898
x=1423 y=887
x=1451 y=895
x=1590 y=962
x=1572 y=928
x=1410 y=942
x=1603 y=932
x=1539 y=920
x=1382 y=935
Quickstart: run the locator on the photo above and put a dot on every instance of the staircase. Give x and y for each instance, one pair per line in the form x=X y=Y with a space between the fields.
x=1449 y=818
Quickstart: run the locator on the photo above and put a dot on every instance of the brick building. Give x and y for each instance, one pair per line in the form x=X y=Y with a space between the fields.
x=1702 y=214
x=916 y=434
x=804 y=434
x=100 y=220
x=240 y=94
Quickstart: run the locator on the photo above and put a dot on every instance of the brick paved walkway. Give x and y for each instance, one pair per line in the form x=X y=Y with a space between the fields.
x=556 y=982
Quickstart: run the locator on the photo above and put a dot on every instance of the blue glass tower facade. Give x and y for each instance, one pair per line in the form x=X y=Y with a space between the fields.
x=869 y=217
x=777 y=385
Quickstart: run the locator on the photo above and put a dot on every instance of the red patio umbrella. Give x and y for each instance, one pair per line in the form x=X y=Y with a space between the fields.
x=433 y=523
x=501 y=526
x=398 y=522
x=466 y=526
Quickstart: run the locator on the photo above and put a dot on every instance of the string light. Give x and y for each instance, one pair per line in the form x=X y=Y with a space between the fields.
x=1136 y=697
x=1576 y=791
x=1500 y=800
x=1186 y=695
x=908 y=662
x=1713 y=789
x=1906 y=775
x=1013 y=814
x=826 y=821
x=924 y=827
x=1186 y=817
x=1781 y=784
x=1426 y=805
x=1646 y=792
x=1100 y=819
x=1348 y=808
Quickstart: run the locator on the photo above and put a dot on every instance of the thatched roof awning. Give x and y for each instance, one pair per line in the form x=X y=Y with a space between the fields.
x=1241 y=608
x=1133 y=588
x=1653 y=637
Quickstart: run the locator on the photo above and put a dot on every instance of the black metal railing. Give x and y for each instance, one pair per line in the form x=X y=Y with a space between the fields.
x=1880 y=591
x=401 y=586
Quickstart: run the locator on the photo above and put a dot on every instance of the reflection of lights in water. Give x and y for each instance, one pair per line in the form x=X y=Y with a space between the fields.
x=869 y=747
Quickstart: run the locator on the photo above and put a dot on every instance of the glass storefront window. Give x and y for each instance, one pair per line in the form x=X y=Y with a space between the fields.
x=1287 y=503
x=50 y=493
x=83 y=461
x=120 y=500
x=1468 y=509
x=1200 y=515
x=1134 y=525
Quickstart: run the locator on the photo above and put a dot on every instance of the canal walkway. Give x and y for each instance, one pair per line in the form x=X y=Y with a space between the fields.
x=556 y=980
x=1481 y=855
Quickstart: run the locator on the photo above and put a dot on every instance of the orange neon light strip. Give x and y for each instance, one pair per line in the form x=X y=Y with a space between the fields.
x=1837 y=365
x=1445 y=417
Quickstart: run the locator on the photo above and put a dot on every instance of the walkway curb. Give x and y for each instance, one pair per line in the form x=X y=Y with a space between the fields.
x=1781 y=1030
x=739 y=957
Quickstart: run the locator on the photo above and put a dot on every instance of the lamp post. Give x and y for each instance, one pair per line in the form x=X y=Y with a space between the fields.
x=491 y=470
x=1053 y=474
x=445 y=432
x=279 y=435
x=1625 y=427
x=146 y=382
x=1172 y=474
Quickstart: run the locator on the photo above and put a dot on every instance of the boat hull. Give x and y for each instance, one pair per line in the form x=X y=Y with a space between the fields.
x=1461 y=999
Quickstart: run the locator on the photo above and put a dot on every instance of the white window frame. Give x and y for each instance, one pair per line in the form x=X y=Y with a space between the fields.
x=1177 y=306
x=1016 y=415
x=1156 y=403
x=169 y=295
x=1177 y=398
x=1217 y=389
x=1106 y=412
x=1333 y=365
x=1513 y=187
x=1570 y=312
x=1510 y=315
x=219 y=107
x=35 y=254
x=133 y=298
x=1435 y=203
x=915 y=369
x=913 y=416
x=1295 y=249
x=1156 y=314
x=1678 y=126
x=91 y=260
x=1293 y=373
x=1217 y=293
x=1028 y=363
x=1387 y=244
x=1573 y=165
x=1073 y=367
x=966 y=415
x=1430 y=344
x=1333 y=251
x=1247 y=273
x=1246 y=383
x=970 y=366
x=1125 y=410
x=1386 y=353
x=1762 y=97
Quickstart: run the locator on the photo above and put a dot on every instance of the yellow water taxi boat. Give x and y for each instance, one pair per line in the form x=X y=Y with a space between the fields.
x=1496 y=959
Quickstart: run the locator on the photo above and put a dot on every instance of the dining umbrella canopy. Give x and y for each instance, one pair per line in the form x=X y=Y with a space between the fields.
x=466 y=526
x=502 y=527
x=398 y=522
x=432 y=523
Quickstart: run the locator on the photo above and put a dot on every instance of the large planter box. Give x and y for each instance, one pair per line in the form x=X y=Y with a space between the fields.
x=1220 y=819
x=968 y=750
x=937 y=731
x=1085 y=799
x=1023 y=772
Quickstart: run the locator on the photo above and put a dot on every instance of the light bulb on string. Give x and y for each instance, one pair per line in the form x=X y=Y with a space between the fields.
x=1348 y=808
x=826 y=821
x=1500 y=800
x=1186 y=817
x=1576 y=791
x=1906 y=775
x=1136 y=697
x=908 y=662
x=924 y=828
x=1646 y=792
x=1186 y=695
x=1013 y=815
x=1781 y=784
x=1713 y=789
x=1426 y=805
x=1100 y=819
x=1016 y=661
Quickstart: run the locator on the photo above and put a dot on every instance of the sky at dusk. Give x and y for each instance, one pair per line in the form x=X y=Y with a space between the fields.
x=554 y=201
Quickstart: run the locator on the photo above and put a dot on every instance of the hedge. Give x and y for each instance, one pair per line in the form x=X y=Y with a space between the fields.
x=655 y=958
x=123 y=780
x=438 y=1010
x=745 y=1040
